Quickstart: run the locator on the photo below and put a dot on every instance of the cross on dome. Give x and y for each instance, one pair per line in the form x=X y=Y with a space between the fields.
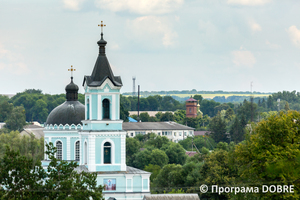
x=72 y=71
x=102 y=25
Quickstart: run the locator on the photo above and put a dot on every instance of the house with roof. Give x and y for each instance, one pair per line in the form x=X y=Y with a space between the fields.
x=172 y=130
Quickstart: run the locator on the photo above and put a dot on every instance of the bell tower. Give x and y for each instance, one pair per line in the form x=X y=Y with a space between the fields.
x=102 y=137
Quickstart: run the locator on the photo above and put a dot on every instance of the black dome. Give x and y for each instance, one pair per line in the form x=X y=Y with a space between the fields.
x=70 y=112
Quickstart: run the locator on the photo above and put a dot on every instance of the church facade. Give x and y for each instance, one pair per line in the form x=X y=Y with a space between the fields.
x=92 y=134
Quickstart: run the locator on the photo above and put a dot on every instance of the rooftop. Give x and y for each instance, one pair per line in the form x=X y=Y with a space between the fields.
x=154 y=126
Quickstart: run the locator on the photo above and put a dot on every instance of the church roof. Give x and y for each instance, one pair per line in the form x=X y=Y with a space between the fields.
x=102 y=69
x=154 y=126
x=129 y=170
x=71 y=111
x=191 y=99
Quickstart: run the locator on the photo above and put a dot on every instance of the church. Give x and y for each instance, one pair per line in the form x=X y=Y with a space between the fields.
x=92 y=134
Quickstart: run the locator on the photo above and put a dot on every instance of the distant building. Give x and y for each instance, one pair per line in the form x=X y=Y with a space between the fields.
x=36 y=130
x=192 y=107
x=172 y=130
x=202 y=133
x=151 y=113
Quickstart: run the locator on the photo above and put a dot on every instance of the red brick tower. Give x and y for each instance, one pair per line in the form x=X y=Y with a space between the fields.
x=191 y=107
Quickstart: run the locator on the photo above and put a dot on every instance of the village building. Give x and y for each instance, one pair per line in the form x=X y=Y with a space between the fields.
x=172 y=130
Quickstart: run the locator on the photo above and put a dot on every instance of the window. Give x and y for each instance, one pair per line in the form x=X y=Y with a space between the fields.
x=191 y=133
x=88 y=109
x=107 y=153
x=190 y=110
x=167 y=133
x=158 y=133
x=184 y=133
x=180 y=133
x=59 y=150
x=175 y=134
x=105 y=108
x=140 y=132
x=77 y=151
x=85 y=153
x=131 y=134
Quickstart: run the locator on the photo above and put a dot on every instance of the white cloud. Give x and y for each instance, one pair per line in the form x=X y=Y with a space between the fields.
x=12 y=62
x=73 y=4
x=153 y=30
x=144 y=7
x=294 y=35
x=248 y=2
x=243 y=58
x=254 y=26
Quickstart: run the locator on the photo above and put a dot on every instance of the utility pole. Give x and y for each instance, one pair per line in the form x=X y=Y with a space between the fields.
x=138 y=117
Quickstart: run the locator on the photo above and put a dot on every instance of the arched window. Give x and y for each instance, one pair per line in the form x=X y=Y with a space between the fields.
x=85 y=153
x=88 y=109
x=77 y=151
x=59 y=150
x=107 y=153
x=105 y=108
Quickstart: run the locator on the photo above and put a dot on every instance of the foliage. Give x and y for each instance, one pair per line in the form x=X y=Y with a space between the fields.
x=21 y=178
x=28 y=146
x=176 y=154
x=16 y=120
x=148 y=156
x=268 y=154
x=132 y=147
x=170 y=176
x=154 y=169
x=217 y=127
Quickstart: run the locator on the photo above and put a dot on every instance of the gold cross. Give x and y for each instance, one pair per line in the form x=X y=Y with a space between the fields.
x=102 y=25
x=71 y=70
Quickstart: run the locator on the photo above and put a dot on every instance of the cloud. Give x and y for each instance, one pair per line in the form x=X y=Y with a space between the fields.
x=254 y=26
x=73 y=4
x=144 y=7
x=153 y=30
x=243 y=58
x=248 y=2
x=294 y=35
x=12 y=62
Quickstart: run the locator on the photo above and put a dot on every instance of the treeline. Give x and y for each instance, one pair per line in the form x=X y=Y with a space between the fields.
x=193 y=91
x=267 y=155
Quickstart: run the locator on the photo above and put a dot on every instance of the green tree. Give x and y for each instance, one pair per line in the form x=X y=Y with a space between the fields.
x=5 y=110
x=167 y=116
x=170 y=176
x=39 y=111
x=132 y=147
x=154 y=169
x=273 y=142
x=176 y=154
x=21 y=178
x=144 y=117
x=16 y=119
x=217 y=127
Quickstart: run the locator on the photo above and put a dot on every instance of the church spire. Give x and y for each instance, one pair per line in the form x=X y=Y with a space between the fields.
x=102 y=69
x=72 y=88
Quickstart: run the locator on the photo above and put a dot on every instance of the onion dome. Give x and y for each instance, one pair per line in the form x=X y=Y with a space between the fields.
x=71 y=111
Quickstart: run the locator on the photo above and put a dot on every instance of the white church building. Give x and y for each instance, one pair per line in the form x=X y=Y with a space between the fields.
x=92 y=134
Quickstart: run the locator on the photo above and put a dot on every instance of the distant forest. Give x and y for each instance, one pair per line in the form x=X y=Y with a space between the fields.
x=194 y=91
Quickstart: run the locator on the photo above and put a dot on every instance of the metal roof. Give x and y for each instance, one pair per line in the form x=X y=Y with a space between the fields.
x=129 y=170
x=154 y=126
x=102 y=69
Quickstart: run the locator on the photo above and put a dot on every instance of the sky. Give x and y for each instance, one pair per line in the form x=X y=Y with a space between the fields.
x=166 y=44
